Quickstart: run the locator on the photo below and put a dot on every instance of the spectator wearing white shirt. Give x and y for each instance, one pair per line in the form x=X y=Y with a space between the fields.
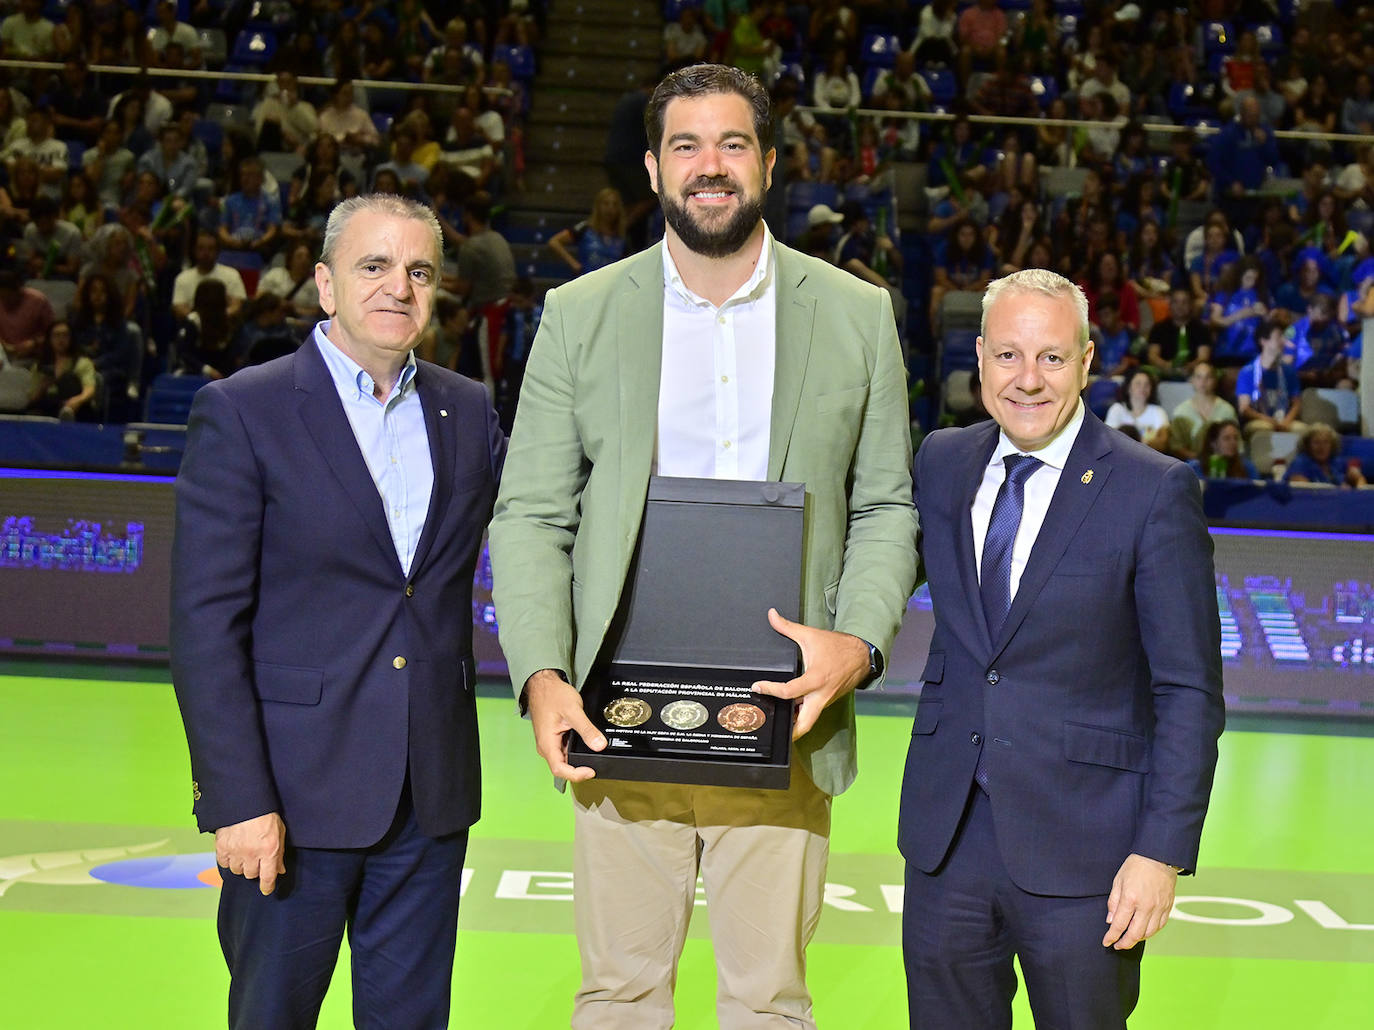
x=169 y=30
x=39 y=144
x=207 y=266
x=26 y=35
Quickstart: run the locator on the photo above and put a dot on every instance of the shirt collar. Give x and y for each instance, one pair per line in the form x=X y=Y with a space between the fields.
x=1056 y=452
x=350 y=378
x=752 y=289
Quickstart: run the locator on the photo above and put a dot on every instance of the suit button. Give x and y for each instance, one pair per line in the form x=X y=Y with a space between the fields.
x=410 y=590
x=975 y=738
x=398 y=662
x=993 y=678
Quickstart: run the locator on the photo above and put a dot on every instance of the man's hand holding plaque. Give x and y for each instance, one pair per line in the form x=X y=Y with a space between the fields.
x=555 y=708
x=833 y=664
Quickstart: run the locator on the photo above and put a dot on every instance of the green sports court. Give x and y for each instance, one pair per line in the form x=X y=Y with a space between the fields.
x=107 y=894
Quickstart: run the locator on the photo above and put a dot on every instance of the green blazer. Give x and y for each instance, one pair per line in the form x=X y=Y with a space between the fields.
x=573 y=489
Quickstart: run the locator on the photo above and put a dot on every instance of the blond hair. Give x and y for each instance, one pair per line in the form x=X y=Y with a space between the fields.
x=1044 y=282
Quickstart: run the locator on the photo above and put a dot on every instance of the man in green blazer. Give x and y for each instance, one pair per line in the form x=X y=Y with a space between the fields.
x=721 y=353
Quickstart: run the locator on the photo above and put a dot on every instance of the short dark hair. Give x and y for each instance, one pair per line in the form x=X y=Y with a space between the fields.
x=1267 y=328
x=479 y=207
x=43 y=206
x=699 y=80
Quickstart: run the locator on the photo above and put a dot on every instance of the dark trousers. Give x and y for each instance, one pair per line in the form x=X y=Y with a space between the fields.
x=962 y=924
x=398 y=901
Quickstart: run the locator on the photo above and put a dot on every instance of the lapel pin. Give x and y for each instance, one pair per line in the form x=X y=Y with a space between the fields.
x=443 y=413
x=1087 y=477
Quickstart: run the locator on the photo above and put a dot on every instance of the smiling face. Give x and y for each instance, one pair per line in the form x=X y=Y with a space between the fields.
x=711 y=174
x=380 y=291
x=1031 y=367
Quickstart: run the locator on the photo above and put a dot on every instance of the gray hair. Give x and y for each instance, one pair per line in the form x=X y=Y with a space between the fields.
x=1044 y=282
x=382 y=204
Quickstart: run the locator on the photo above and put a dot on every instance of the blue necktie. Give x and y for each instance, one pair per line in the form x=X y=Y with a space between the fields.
x=995 y=586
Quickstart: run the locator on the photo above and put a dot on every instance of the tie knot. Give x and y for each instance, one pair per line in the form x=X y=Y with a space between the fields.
x=1019 y=467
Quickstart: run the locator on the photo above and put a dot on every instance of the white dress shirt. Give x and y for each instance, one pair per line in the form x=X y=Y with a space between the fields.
x=715 y=394
x=1039 y=490
x=393 y=439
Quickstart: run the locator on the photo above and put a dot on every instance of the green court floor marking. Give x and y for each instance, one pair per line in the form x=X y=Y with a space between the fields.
x=83 y=758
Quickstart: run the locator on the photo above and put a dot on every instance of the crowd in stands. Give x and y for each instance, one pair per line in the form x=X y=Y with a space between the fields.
x=160 y=220
x=1197 y=233
x=185 y=213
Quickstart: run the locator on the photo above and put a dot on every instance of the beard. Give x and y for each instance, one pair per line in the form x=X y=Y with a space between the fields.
x=722 y=240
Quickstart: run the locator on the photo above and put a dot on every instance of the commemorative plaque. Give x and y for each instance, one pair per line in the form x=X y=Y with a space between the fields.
x=671 y=692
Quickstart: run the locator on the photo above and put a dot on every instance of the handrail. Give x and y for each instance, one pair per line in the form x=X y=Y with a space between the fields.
x=196 y=73
x=1118 y=123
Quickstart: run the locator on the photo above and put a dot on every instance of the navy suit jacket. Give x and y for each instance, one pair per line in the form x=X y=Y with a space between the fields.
x=312 y=673
x=1099 y=704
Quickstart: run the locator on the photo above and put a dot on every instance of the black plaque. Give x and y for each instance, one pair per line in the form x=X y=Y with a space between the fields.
x=692 y=635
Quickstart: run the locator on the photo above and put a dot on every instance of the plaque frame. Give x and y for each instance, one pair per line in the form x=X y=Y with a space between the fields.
x=690 y=627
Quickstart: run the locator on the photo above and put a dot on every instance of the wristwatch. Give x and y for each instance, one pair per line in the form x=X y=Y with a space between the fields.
x=875 y=665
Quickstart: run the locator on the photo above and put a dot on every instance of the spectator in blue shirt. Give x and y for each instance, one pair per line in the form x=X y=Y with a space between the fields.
x=596 y=241
x=1296 y=295
x=1319 y=345
x=1242 y=150
x=175 y=169
x=1319 y=460
x=251 y=218
x=1267 y=389
x=1115 y=341
x=1235 y=309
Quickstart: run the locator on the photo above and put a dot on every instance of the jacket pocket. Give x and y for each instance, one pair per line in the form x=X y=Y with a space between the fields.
x=832 y=596
x=934 y=671
x=1102 y=745
x=927 y=717
x=289 y=684
x=841 y=400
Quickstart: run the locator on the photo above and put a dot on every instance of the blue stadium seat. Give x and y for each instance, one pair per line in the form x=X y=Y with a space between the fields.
x=672 y=9
x=803 y=196
x=1361 y=447
x=1270 y=38
x=236 y=91
x=253 y=47
x=795 y=71
x=210 y=134
x=519 y=58
x=1218 y=37
x=1101 y=395
x=879 y=49
x=1361 y=220
x=169 y=398
x=944 y=87
x=1045 y=88
x=382 y=120
x=959 y=350
x=75 y=148
x=249 y=265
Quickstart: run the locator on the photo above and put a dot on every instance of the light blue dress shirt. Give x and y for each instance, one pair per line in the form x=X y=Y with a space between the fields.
x=392 y=437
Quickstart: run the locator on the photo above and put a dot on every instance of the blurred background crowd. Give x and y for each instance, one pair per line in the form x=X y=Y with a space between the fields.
x=1205 y=170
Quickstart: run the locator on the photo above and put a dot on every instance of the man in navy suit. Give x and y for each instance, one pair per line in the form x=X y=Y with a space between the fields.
x=330 y=508
x=1064 y=747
